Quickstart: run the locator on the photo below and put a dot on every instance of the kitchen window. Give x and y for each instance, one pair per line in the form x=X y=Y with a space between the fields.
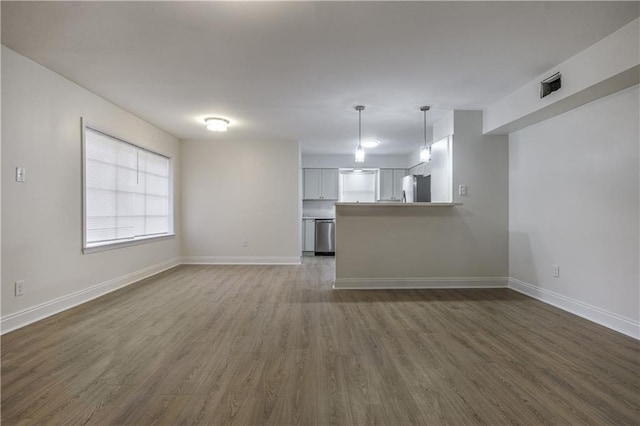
x=127 y=192
x=358 y=186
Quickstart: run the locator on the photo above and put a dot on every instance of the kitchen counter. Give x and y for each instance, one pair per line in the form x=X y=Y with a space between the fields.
x=393 y=209
x=392 y=204
x=317 y=217
x=400 y=205
x=412 y=245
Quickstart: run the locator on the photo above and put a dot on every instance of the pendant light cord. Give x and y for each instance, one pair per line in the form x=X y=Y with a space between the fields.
x=425 y=128
x=359 y=127
x=424 y=110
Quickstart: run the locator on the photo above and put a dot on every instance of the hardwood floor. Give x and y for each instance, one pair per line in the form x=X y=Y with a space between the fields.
x=275 y=345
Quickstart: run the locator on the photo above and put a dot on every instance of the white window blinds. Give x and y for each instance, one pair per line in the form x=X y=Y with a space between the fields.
x=126 y=191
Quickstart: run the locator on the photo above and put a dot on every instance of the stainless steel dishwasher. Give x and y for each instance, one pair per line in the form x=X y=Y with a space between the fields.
x=325 y=237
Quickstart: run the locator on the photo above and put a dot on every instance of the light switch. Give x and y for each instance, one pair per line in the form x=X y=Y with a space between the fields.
x=21 y=174
x=462 y=190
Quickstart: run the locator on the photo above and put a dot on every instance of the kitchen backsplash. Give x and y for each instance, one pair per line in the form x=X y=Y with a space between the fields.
x=318 y=208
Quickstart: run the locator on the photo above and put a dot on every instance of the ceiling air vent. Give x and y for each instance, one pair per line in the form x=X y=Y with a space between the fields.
x=550 y=84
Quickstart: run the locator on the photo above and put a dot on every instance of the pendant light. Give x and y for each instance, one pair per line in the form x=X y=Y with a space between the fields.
x=359 y=149
x=425 y=151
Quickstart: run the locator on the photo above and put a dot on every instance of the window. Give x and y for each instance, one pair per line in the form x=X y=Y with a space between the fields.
x=358 y=186
x=127 y=194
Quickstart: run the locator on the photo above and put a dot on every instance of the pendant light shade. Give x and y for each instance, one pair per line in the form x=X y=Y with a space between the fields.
x=425 y=154
x=425 y=151
x=359 y=149
x=359 y=154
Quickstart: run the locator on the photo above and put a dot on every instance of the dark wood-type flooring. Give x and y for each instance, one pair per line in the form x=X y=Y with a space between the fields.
x=275 y=345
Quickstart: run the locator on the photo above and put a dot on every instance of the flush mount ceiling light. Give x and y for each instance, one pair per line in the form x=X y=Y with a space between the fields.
x=425 y=151
x=359 y=149
x=216 y=124
x=370 y=144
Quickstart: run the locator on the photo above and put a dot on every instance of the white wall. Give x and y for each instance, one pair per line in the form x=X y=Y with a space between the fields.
x=235 y=191
x=443 y=127
x=609 y=65
x=41 y=219
x=481 y=163
x=440 y=167
x=1 y=181
x=574 y=201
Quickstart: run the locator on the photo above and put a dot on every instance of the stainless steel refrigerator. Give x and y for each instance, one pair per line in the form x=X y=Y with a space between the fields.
x=416 y=189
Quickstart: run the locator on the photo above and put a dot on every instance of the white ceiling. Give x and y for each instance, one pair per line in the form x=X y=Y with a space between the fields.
x=295 y=70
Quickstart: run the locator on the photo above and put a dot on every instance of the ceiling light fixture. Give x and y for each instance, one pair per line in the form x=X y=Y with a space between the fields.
x=370 y=144
x=216 y=124
x=425 y=151
x=359 y=149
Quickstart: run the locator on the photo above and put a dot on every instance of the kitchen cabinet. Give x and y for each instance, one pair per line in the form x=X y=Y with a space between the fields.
x=312 y=182
x=308 y=235
x=391 y=184
x=320 y=184
x=423 y=169
x=329 y=184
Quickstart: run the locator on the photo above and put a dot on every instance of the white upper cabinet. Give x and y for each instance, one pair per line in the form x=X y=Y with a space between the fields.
x=391 y=184
x=329 y=184
x=320 y=184
x=312 y=182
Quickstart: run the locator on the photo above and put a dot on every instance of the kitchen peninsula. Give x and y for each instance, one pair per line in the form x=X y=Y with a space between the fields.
x=413 y=245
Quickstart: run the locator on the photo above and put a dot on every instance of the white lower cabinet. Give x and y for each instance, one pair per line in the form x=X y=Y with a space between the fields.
x=308 y=235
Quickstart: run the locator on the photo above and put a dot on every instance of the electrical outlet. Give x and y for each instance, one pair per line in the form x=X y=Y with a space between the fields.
x=245 y=243
x=556 y=271
x=21 y=174
x=462 y=190
x=19 y=288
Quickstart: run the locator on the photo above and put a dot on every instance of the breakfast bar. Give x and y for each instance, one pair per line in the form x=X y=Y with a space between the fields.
x=413 y=245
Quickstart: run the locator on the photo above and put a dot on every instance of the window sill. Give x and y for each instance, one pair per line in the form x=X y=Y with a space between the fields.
x=111 y=246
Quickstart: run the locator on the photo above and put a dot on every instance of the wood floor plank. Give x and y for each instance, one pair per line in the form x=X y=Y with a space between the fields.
x=275 y=345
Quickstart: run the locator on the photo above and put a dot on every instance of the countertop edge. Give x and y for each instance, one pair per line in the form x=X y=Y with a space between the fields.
x=400 y=205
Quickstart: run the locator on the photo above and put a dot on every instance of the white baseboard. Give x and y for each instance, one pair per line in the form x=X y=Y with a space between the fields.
x=599 y=316
x=418 y=283
x=240 y=260
x=35 y=313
